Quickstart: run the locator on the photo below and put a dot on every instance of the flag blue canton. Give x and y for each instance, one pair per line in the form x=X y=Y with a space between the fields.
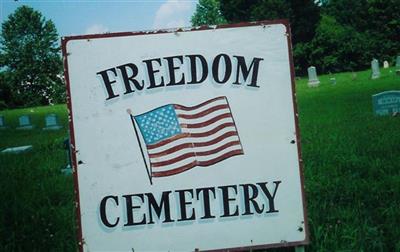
x=158 y=124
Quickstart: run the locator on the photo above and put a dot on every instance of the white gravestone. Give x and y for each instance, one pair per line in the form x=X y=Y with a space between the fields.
x=2 y=122
x=375 y=69
x=24 y=123
x=51 y=121
x=385 y=64
x=312 y=77
x=333 y=81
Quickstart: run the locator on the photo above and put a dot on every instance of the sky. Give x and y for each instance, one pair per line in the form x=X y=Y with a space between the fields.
x=78 y=17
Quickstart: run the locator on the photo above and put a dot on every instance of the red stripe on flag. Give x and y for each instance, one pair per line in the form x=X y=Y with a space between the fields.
x=167 y=141
x=188 y=145
x=215 y=130
x=216 y=150
x=208 y=122
x=216 y=140
x=174 y=171
x=219 y=158
x=204 y=112
x=194 y=163
x=193 y=154
x=177 y=106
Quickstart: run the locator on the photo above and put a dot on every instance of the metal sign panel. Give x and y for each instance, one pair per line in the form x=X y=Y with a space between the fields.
x=186 y=140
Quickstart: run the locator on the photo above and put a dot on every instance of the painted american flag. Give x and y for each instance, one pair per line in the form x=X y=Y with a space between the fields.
x=178 y=138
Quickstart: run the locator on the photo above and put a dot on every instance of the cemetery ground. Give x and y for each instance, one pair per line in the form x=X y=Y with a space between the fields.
x=351 y=165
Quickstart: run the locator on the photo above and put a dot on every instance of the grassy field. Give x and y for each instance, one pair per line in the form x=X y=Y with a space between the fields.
x=351 y=164
x=36 y=208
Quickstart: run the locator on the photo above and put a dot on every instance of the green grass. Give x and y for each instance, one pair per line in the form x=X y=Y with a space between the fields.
x=351 y=165
x=36 y=209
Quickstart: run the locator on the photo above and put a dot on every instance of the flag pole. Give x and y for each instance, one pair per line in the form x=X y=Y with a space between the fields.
x=140 y=145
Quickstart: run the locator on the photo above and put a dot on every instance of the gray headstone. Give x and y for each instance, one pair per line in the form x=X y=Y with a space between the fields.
x=24 y=122
x=312 y=77
x=67 y=170
x=51 y=121
x=385 y=64
x=386 y=103
x=2 y=122
x=333 y=81
x=375 y=69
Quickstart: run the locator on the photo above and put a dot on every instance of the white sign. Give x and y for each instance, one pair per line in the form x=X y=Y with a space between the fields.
x=186 y=140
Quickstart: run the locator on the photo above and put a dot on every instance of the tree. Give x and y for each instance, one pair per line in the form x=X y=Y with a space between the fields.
x=303 y=16
x=337 y=47
x=30 y=58
x=207 y=13
x=377 y=20
x=352 y=13
x=384 y=28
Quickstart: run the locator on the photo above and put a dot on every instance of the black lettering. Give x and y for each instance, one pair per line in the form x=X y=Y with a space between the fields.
x=271 y=202
x=206 y=200
x=242 y=67
x=164 y=203
x=228 y=68
x=193 y=68
x=151 y=72
x=130 y=79
x=183 y=203
x=250 y=199
x=226 y=199
x=107 y=82
x=172 y=68
x=129 y=210
x=103 y=215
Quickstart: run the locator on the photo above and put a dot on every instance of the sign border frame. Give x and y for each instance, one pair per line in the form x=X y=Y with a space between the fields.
x=65 y=54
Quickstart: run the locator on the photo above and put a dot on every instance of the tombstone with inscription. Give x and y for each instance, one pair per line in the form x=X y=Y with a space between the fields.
x=312 y=77
x=51 y=121
x=385 y=64
x=386 y=103
x=2 y=123
x=375 y=69
x=25 y=123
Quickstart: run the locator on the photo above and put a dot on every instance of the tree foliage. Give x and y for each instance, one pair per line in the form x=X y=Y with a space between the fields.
x=303 y=16
x=207 y=13
x=369 y=29
x=337 y=47
x=30 y=59
x=333 y=35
